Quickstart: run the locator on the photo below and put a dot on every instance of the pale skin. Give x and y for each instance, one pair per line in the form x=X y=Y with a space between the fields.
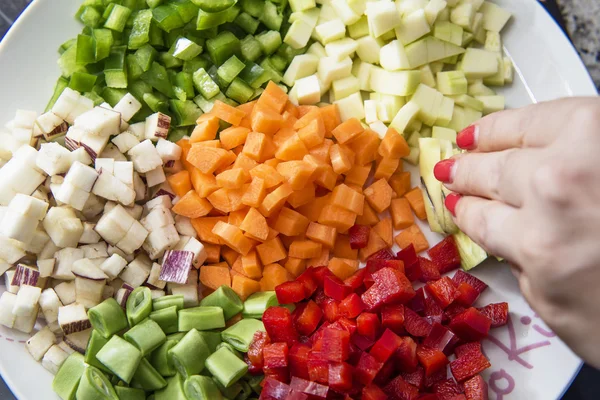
x=530 y=187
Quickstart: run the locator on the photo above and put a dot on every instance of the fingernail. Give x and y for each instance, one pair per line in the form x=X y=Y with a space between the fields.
x=467 y=137
x=443 y=171
x=451 y=201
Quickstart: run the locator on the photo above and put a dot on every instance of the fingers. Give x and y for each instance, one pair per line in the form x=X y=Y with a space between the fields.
x=536 y=125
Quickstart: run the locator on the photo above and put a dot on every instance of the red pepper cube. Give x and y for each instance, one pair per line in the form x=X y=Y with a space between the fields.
x=276 y=355
x=298 y=358
x=367 y=368
x=468 y=348
x=453 y=310
x=319 y=274
x=359 y=236
x=293 y=395
x=373 y=392
x=440 y=338
x=347 y=324
x=336 y=345
x=392 y=317
x=468 y=366
x=415 y=324
x=429 y=396
x=318 y=368
x=470 y=325
x=429 y=271
x=443 y=291
x=417 y=303
x=351 y=306
x=252 y=368
x=361 y=342
x=445 y=255
x=415 y=378
x=447 y=389
x=386 y=373
x=398 y=388
x=406 y=355
x=390 y=286
x=290 y=292
x=310 y=388
x=340 y=376
x=467 y=296
x=356 y=280
x=368 y=325
x=307 y=317
x=335 y=288
x=461 y=276
x=331 y=310
x=433 y=360
x=307 y=278
x=383 y=254
x=279 y=325
x=386 y=346
x=497 y=313
x=476 y=388
x=274 y=389
x=255 y=350
x=433 y=309
x=408 y=255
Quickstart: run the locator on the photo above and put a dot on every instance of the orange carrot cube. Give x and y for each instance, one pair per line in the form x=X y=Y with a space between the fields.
x=348 y=130
x=233 y=237
x=231 y=256
x=365 y=147
x=313 y=134
x=251 y=265
x=180 y=182
x=207 y=159
x=341 y=159
x=341 y=268
x=273 y=276
x=321 y=152
x=417 y=203
x=255 y=224
x=304 y=249
x=292 y=149
x=323 y=234
x=331 y=117
x=213 y=253
x=215 y=276
x=401 y=213
x=273 y=97
x=204 y=227
x=192 y=206
x=227 y=113
x=233 y=178
x=233 y=136
x=374 y=244
x=337 y=217
x=400 y=182
x=342 y=248
x=236 y=217
x=204 y=184
x=357 y=175
x=386 y=168
x=385 y=231
x=274 y=200
x=347 y=198
x=379 y=195
x=295 y=266
x=266 y=120
x=321 y=260
x=255 y=145
x=255 y=193
x=413 y=235
x=290 y=222
x=244 y=162
x=284 y=134
x=393 y=145
x=312 y=210
x=205 y=130
x=297 y=173
x=369 y=216
x=302 y=196
x=271 y=251
x=244 y=286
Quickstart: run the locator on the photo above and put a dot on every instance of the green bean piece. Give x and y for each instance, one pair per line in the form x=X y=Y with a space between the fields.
x=147 y=377
x=257 y=303
x=226 y=367
x=166 y=319
x=173 y=390
x=96 y=342
x=254 y=381
x=94 y=385
x=198 y=387
x=68 y=376
x=127 y=393
x=246 y=391
x=225 y=298
x=201 y=318
x=120 y=357
x=107 y=318
x=231 y=349
x=168 y=301
x=230 y=392
x=146 y=336
x=189 y=355
x=160 y=359
x=240 y=334
x=139 y=305
x=212 y=339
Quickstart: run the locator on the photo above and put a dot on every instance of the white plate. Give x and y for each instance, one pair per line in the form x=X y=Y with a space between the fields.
x=528 y=361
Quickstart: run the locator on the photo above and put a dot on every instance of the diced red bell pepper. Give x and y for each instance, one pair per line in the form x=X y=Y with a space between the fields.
x=443 y=291
x=331 y=310
x=310 y=388
x=318 y=368
x=476 y=388
x=458 y=397
x=391 y=286
x=386 y=373
x=399 y=389
x=497 y=313
x=252 y=369
x=453 y=310
x=335 y=288
x=467 y=296
x=468 y=366
x=290 y=292
x=428 y=396
x=274 y=390
x=461 y=276
x=319 y=274
x=362 y=342
x=373 y=392
x=351 y=306
x=356 y=280
x=447 y=389
x=307 y=278
x=415 y=378
x=417 y=303
x=276 y=355
x=406 y=355
x=307 y=317
x=293 y=395
x=298 y=358
x=432 y=308
x=415 y=324
x=445 y=255
x=386 y=346
x=433 y=360
x=367 y=368
x=440 y=338
x=468 y=349
x=347 y=324
x=359 y=236
x=368 y=325
x=340 y=376
x=411 y=262
x=279 y=374
x=429 y=271
x=280 y=326
x=470 y=325
x=440 y=376
x=255 y=350
x=375 y=265
x=383 y=254
x=392 y=317
x=336 y=345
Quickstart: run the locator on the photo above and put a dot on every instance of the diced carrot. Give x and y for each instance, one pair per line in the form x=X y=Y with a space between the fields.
x=254 y=146
x=204 y=184
x=238 y=150
x=385 y=231
x=297 y=173
x=192 y=206
x=180 y=182
x=244 y=162
x=342 y=248
x=233 y=178
x=369 y=216
x=340 y=159
x=255 y=224
x=341 y=269
x=321 y=260
x=227 y=200
x=273 y=276
x=400 y=182
x=401 y=213
x=274 y=200
x=292 y=149
x=271 y=251
x=227 y=162
x=206 y=159
x=348 y=130
x=379 y=195
x=284 y=134
x=233 y=136
x=272 y=162
x=205 y=130
x=344 y=197
x=374 y=244
x=386 y=168
x=236 y=217
x=269 y=149
x=213 y=253
x=302 y=196
x=365 y=146
x=304 y=249
x=393 y=145
x=331 y=117
x=323 y=234
x=244 y=286
x=295 y=266
x=288 y=240
x=289 y=120
x=415 y=198
x=227 y=113
x=326 y=177
x=204 y=227
x=251 y=265
x=312 y=210
x=358 y=174
x=255 y=193
x=273 y=97
x=292 y=109
x=247 y=107
x=215 y=276
x=413 y=235
x=321 y=151
x=290 y=222
x=356 y=188
x=313 y=134
x=305 y=109
x=337 y=217
x=209 y=143
x=268 y=174
x=266 y=120
x=231 y=256
x=233 y=237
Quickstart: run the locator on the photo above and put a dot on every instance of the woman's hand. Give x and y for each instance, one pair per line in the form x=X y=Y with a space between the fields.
x=529 y=191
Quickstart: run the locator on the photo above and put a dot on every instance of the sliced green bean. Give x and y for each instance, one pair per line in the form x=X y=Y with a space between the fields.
x=225 y=298
x=231 y=349
x=147 y=377
x=127 y=393
x=96 y=342
x=257 y=303
x=226 y=367
x=173 y=390
x=107 y=318
x=201 y=318
x=189 y=355
x=120 y=357
x=240 y=334
x=139 y=305
x=168 y=301
x=146 y=336
x=230 y=392
x=198 y=387
x=67 y=378
x=94 y=385
x=160 y=359
x=166 y=318
x=212 y=339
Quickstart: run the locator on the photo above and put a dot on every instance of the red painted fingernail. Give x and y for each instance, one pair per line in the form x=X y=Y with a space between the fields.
x=443 y=170
x=467 y=137
x=451 y=201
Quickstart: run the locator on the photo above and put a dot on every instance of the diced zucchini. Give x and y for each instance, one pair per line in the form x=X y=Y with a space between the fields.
x=351 y=107
x=396 y=83
x=491 y=103
x=452 y=83
x=250 y=48
x=477 y=63
x=269 y=41
x=494 y=16
x=382 y=17
x=430 y=49
x=413 y=27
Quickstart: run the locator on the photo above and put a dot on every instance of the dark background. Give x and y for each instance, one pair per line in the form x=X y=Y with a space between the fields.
x=587 y=384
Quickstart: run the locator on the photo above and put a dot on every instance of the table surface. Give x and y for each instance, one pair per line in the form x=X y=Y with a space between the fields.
x=579 y=18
